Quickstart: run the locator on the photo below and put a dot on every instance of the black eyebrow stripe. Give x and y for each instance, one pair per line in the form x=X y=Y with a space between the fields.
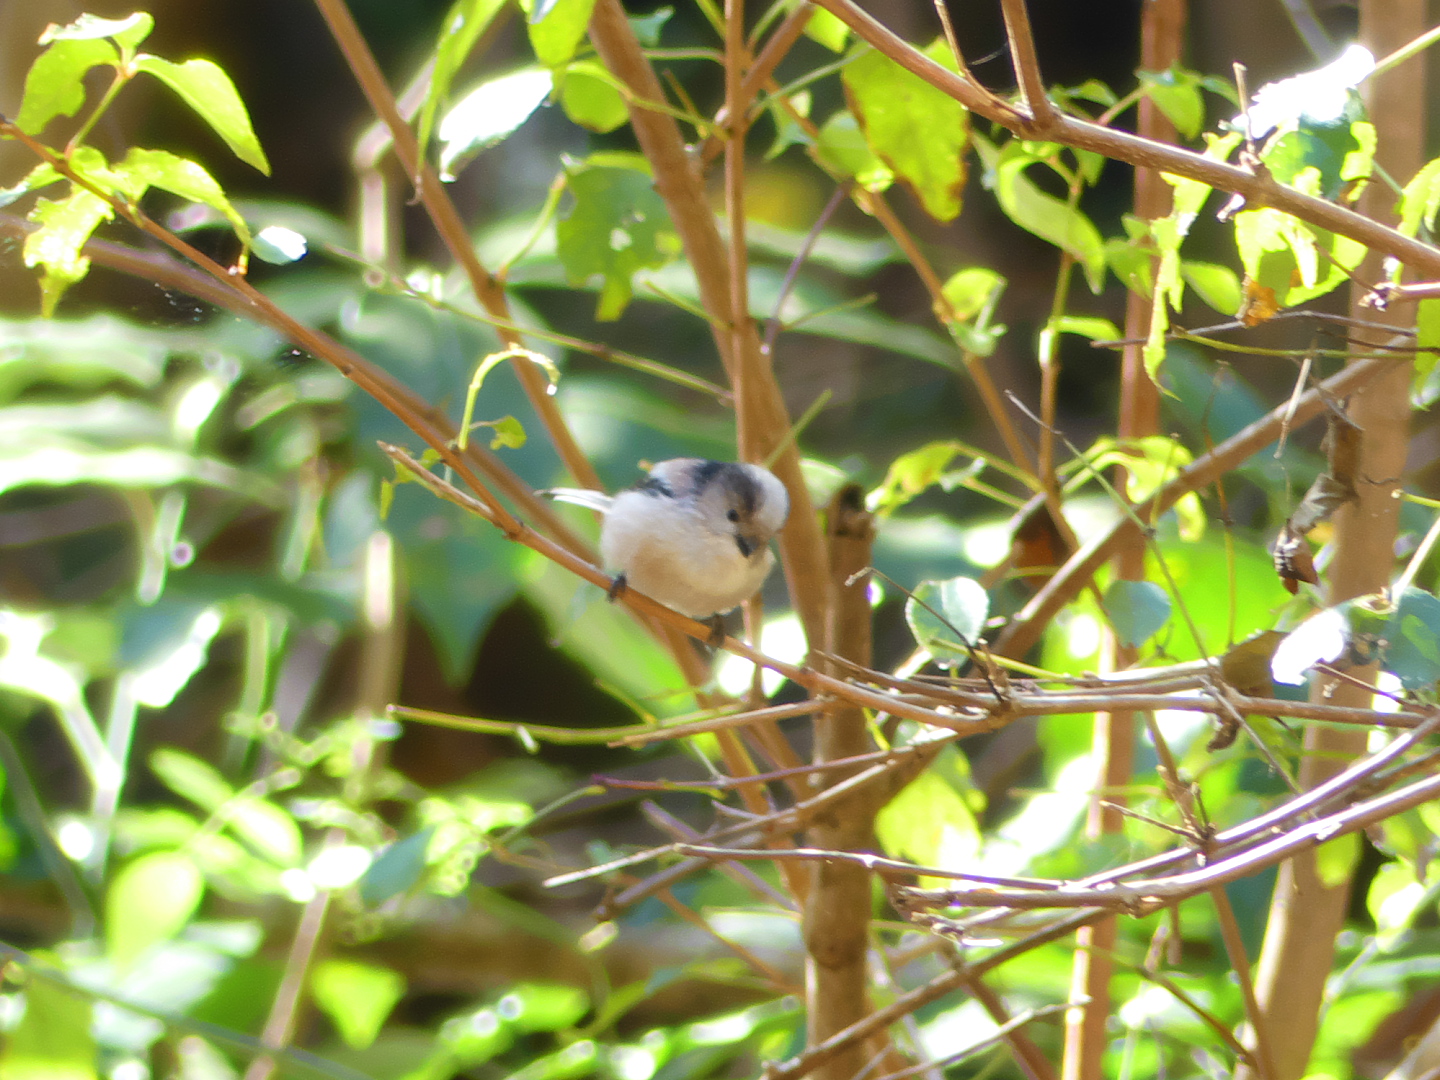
x=653 y=485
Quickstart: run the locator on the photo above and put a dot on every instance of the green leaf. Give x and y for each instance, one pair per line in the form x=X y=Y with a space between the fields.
x=463 y=25
x=54 y=86
x=617 y=227
x=1086 y=326
x=53 y=1040
x=534 y=1006
x=1420 y=201
x=1176 y=93
x=962 y=606
x=1335 y=860
x=1297 y=261
x=191 y=778
x=1427 y=339
x=929 y=823
x=206 y=88
x=488 y=114
x=1035 y=211
x=827 y=30
x=556 y=29
x=1338 y=153
x=357 y=997
x=647 y=28
x=143 y=169
x=127 y=32
x=65 y=226
x=149 y=902
x=842 y=148
x=265 y=827
x=1413 y=653
x=1136 y=609
x=396 y=869
x=893 y=108
x=1217 y=285
x=973 y=290
x=278 y=245
x=590 y=98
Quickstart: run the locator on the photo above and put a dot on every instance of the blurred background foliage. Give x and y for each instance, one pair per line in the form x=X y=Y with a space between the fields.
x=192 y=740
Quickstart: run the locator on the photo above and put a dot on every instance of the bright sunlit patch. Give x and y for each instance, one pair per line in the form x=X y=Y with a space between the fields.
x=722 y=1030
x=1181 y=728
x=76 y=839
x=297 y=885
x=339 y=866
x=986 y=545
x=1082 y=635
x=954 y=1030
x=782 y=639
x=130 y=1069
x=194 y=408
x=157 y=685
x=1391 y=685
x=632 y=1062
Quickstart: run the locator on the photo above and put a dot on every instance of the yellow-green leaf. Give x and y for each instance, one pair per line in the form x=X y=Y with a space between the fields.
x=920 y=132
x=206 y=88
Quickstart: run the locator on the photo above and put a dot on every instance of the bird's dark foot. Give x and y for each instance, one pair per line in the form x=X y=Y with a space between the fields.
x=717 y=631
x=618 y=586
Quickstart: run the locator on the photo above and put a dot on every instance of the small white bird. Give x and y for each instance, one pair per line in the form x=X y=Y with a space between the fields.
x=694 y=534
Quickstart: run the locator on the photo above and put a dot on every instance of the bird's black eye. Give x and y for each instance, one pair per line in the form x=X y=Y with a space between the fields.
x=732 y=515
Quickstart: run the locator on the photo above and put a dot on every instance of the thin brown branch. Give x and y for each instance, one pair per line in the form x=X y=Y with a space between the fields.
x=1027 y=626
x=1257 y=189
x=488 y=290
x=757 y=393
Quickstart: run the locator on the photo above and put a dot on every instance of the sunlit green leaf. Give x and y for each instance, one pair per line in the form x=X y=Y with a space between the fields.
x=1137 y=610
x=266 y=828
x=53 y=1039
x=557 y=27
x=972 y=290
x=357 y=997
x=179 y=176
x=65 y=226
x=1335 y=859
x=929 y=823
x=842 y=148
x=1036 y=211
x=54 y=85
x=892 y=106
x=127 y=32
x=463 y=25
x=1427 y=340
x=1217 y=285
x=535 y=1006
x=149 y=901
x=1420 y=201
x=191 y=778
x=827 y=30
x=278 y=245
x=206 y=88
x=589 y=97
x=488 y=114
x=617 y=226
x=1176 y=93
x=945 y=616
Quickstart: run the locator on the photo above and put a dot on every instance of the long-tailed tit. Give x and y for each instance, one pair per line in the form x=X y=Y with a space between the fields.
x=694 y=534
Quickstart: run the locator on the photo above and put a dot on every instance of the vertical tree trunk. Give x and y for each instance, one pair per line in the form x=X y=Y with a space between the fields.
x=1305 y=914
